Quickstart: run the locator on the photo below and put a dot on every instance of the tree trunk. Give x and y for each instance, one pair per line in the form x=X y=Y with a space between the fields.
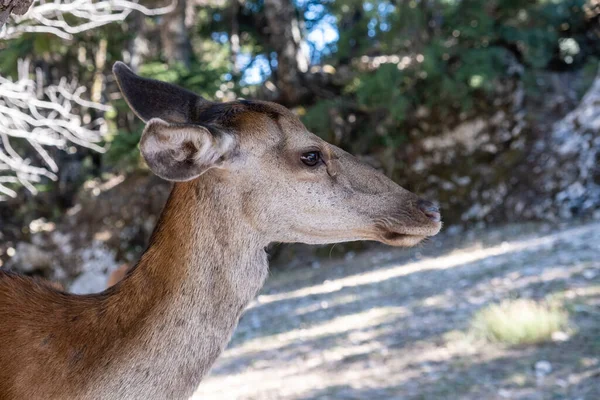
x=285 y=38
x=234 y=38
x=174 y=36
x=139 y=47
x=18 y=7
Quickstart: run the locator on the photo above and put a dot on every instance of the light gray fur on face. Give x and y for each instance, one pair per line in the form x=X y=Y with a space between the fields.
x=341 y=200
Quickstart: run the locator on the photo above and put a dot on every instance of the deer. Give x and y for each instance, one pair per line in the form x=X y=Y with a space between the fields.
x=246 y=174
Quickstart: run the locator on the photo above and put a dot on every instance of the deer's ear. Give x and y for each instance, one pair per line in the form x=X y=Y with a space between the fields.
x=149 y=98
x=180 y=152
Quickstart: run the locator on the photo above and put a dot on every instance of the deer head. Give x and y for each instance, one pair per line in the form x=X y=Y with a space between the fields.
x=290 y=185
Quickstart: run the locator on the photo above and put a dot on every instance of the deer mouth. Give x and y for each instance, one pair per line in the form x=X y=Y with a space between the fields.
x=408 y=238
x=401 y=239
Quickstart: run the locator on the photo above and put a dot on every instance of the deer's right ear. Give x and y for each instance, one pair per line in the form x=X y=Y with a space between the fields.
x=149 y=98
x=180 y=152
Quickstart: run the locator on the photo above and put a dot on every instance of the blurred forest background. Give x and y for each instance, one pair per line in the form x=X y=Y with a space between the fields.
x=490 y=108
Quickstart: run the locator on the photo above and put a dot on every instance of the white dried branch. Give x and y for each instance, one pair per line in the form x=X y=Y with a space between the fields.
x=48 y=17
x=41 y=117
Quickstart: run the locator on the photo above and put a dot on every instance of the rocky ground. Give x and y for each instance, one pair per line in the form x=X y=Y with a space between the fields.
x=393 y=323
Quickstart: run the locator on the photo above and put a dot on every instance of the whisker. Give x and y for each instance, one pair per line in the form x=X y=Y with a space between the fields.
x=331 y=250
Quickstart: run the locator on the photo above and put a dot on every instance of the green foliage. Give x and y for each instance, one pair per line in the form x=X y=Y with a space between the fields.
x=449 y=55
x=162 y=71
x=518 y=322
x=386 y=88
x=316 y=118
x=589 y=73
x=123 y=152
x=11 y=52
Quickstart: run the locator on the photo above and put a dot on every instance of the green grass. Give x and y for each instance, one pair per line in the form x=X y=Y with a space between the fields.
x=518 y=322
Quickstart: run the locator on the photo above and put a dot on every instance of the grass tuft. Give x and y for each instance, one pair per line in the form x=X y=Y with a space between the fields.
x=519 y=322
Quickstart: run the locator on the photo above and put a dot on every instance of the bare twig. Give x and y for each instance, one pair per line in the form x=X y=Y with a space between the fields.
x=47 y=17
x=55 y=118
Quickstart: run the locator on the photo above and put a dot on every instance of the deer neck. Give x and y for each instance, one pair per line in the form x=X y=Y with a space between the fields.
x=203 y=242
x=202 y=268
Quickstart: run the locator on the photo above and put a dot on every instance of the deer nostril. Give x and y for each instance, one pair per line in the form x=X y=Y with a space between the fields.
x=430 y=210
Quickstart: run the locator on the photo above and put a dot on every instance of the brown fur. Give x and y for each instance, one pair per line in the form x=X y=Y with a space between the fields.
x=57 y=341
x=156 y=333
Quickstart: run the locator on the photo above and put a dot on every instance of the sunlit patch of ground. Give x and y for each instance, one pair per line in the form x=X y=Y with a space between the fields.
x=395 y=325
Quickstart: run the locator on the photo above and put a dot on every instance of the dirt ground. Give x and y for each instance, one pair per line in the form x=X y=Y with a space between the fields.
x=392 y=323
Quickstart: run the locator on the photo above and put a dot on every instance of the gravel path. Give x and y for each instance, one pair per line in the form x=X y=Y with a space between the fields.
x=390 y=324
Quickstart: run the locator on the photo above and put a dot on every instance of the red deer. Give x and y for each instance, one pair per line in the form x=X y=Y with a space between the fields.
x=246 y=173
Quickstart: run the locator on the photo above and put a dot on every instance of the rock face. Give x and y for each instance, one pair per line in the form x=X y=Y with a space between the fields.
x=571 y=177
x=518 y=163
x=30 y=257
x=97 y=263
x=63 y=257
x=560 y=177
x=111 y=222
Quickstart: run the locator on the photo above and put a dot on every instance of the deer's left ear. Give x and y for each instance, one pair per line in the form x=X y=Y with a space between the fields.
x=181 y=152
x=149 y=98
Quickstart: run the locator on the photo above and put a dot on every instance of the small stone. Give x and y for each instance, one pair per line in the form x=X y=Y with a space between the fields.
x=542 y=368
x=11 y=252
x=255 y=321
x=89 y=282
x=29 y=257
x=588 y=362
x=562 y=383
x=454 y=230
x=590 y=274
x=560 y=336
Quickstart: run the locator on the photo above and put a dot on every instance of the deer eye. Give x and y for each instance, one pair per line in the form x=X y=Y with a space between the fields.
x=311 y=158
